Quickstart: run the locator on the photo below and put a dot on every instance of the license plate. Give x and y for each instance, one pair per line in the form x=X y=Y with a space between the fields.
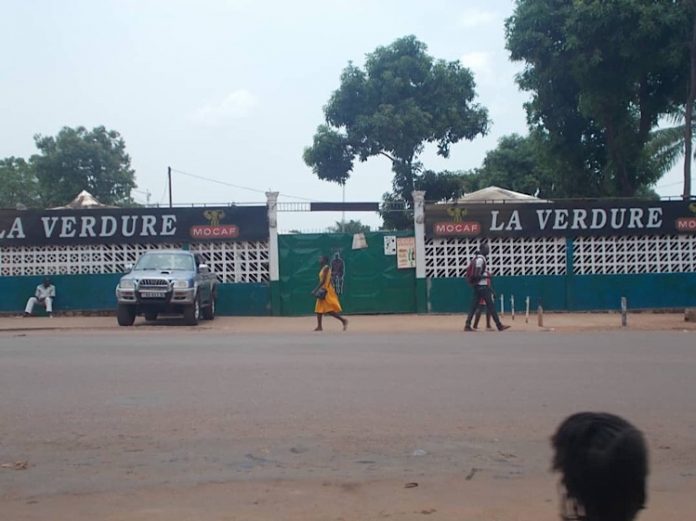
x=153 y=294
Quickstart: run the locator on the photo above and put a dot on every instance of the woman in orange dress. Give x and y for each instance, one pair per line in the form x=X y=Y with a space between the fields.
x=327 y=300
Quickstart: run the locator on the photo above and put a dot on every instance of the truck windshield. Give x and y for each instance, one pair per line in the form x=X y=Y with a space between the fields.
x=165 y=262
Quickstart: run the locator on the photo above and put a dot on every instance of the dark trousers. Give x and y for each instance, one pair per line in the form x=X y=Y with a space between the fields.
x=483 y=292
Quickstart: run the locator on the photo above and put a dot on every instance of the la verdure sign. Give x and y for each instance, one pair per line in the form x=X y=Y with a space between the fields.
x=568 y=219
x=132 y=225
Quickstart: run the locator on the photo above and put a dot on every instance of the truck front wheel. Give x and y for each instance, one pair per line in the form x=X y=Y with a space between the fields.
x=125 y=315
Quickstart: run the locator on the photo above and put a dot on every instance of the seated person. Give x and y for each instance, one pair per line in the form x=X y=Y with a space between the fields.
x=43 y=296
x=603 y=461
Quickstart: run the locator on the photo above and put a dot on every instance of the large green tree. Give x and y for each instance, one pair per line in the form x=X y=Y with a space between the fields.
x=18 y=184
x=601 y=74
x=79 y=159
x=402 y=99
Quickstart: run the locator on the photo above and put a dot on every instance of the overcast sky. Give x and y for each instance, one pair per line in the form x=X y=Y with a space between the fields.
x=233 y=89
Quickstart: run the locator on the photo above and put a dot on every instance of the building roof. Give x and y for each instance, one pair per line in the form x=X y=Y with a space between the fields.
x=495 y=194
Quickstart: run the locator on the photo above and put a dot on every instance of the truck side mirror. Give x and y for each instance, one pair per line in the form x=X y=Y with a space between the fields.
x=129 y=267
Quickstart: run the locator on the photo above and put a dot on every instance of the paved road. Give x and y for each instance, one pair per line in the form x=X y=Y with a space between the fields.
x=112 y=413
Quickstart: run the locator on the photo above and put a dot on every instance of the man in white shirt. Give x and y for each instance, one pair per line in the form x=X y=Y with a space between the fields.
x=482 y=291
x=43 y=296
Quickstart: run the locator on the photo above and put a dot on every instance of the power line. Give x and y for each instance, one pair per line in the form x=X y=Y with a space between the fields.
x=225 y=183
x=669 y=184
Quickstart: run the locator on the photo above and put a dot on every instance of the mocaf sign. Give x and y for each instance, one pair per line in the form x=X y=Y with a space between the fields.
x=132 y=225
x=570 y=218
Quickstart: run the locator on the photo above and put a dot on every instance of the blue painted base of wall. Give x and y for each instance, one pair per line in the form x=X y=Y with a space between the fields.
x=96 y=293
x=572 y=293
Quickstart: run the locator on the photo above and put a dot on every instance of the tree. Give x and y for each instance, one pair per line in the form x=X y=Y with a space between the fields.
x=402 y=99
x=518 y=163
x=351 y=226
x=19 y=185
x=667 y=145
x=79 y=159
x=601 y=74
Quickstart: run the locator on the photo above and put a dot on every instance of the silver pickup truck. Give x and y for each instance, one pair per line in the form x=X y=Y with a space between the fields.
x=167 y=281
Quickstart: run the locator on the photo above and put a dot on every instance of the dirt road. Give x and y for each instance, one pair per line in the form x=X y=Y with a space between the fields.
x=213 y=424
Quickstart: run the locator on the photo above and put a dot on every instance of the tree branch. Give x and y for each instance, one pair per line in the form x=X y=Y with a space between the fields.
x=387 y=156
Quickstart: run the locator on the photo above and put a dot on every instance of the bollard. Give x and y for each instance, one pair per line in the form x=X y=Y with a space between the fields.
x=512 y=306
x=502 y=304
x=526 y=312
x=624 y=309
x=540 y=316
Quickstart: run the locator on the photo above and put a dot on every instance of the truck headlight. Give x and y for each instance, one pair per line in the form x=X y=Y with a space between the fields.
x=181 y=284
x=126 y=284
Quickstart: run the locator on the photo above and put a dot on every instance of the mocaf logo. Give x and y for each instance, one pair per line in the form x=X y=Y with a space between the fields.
x=687 y=224
x=214 y=216
x=457 y=226
x=214 y=230
x=456 y=213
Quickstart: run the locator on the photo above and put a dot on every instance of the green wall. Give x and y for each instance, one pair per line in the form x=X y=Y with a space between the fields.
x=453 y=295
x=96 y=293
x=573 y=292
x=372 y=282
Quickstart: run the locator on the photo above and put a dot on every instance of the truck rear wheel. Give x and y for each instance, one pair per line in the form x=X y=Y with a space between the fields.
x=125 y=315
x=209 y=311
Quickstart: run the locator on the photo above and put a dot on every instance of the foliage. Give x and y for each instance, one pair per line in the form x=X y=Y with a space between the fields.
x=666 y=145
x=18 y=185
x=400 y=101
x=518 y=163
x=601 y=74
x=351 y=227
x=79 y=159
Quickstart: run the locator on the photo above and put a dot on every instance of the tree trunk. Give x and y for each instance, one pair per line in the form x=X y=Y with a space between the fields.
x=689 y=111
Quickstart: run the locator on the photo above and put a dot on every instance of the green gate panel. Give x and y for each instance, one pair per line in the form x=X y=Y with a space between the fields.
x=372 y=281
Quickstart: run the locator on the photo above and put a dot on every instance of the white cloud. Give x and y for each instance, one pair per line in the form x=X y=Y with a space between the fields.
x=236 y=105
x=480 y=64
x=474 y=17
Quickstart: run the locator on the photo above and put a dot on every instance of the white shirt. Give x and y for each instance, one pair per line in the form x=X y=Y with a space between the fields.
x=481 y=268
x=43 y=292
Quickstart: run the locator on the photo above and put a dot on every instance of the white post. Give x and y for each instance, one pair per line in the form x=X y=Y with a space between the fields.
x=419 y=233
x=502 y=304
x=512 y=306
x=272 y=208
x=526 y=312
x=624 y=309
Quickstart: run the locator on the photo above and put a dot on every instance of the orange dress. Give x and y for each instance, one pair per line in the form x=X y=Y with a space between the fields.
x=330 y=303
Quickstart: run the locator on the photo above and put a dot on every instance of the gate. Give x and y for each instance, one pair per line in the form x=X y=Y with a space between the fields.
x=370 y=281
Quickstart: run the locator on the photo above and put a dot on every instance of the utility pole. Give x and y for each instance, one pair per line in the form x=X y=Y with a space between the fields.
x=169 y=175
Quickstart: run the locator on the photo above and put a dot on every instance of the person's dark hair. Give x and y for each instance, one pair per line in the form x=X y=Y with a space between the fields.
x=603 y=460
x=323 y=260
x=483 y=249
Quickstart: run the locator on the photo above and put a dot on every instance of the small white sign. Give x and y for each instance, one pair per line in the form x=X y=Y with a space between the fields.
x=390 y=244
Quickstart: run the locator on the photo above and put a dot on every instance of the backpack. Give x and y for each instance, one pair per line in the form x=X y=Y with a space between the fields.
x=471 y=275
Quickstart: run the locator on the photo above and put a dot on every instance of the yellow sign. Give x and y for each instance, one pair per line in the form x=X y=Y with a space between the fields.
x=405 y=252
